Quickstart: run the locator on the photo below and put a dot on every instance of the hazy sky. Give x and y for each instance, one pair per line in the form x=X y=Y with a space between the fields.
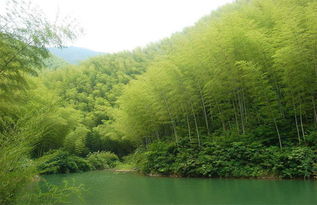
x=115 y=25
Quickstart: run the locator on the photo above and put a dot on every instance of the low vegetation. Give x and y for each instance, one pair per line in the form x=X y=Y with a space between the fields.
x=62 y=162
x=102 y=160
x=234 y=159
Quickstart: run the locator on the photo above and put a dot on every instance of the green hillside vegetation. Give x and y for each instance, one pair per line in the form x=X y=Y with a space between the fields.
x=232 y=96
x=248 y=70
x=53 y=62
x=246 y=73
x=74 y=55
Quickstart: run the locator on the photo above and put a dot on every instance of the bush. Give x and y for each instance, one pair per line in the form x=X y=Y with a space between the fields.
x=295 y=162
x=220 y=160
x=234 y=159
x=102 y=160
x=138 y=160
x=60 y=161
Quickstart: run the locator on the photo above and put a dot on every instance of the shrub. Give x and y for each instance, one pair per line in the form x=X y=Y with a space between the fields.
x=138 y=159
x=102 y=160
x=232 y=159
x=295 y=162
x=60 y=161
x=160 y=158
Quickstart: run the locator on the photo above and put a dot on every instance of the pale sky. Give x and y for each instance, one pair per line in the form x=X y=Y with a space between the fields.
x=116 y=25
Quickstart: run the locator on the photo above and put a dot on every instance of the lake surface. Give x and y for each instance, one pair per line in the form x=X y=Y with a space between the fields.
x=114 y=188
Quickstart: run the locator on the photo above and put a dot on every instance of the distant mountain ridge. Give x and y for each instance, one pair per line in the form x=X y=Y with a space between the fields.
x=74 y=55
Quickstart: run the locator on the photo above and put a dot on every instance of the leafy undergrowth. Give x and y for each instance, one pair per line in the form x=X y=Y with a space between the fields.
x=235 y=159
x=60 y=161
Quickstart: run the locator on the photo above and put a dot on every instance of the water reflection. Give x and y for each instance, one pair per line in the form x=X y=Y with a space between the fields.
x=128 y=189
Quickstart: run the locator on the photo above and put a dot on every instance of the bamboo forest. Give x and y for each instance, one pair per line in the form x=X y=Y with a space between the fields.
x=230 y=102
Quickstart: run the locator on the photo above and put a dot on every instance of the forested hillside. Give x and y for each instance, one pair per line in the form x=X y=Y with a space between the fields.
x=238 y=85
x=92 y=88
x=247 y=70
x=53 y=62
x=74 y=55
x=245 y=74
x=232 y=96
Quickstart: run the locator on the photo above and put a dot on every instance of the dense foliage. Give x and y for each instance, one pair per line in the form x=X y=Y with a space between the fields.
x=245 y=74
x=102 y=160
x=248 y=69
x=92 y=89
x=63 y=162
x=27 y=109
x=59 y=161
x=235 y=159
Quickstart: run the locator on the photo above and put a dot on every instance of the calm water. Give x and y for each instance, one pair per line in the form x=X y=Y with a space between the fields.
x=105 y=187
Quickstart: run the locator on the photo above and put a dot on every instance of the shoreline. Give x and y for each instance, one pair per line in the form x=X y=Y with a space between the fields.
x=123 y=170
x=267 y=178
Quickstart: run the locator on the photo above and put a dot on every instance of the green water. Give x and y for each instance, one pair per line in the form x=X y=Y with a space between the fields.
x=111 y=188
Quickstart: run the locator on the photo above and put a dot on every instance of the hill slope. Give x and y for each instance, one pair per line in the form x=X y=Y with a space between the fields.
x=54 y=62
x=73 y=54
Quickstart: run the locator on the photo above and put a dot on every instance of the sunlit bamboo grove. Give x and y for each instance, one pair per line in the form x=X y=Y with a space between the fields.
x=247 y=70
